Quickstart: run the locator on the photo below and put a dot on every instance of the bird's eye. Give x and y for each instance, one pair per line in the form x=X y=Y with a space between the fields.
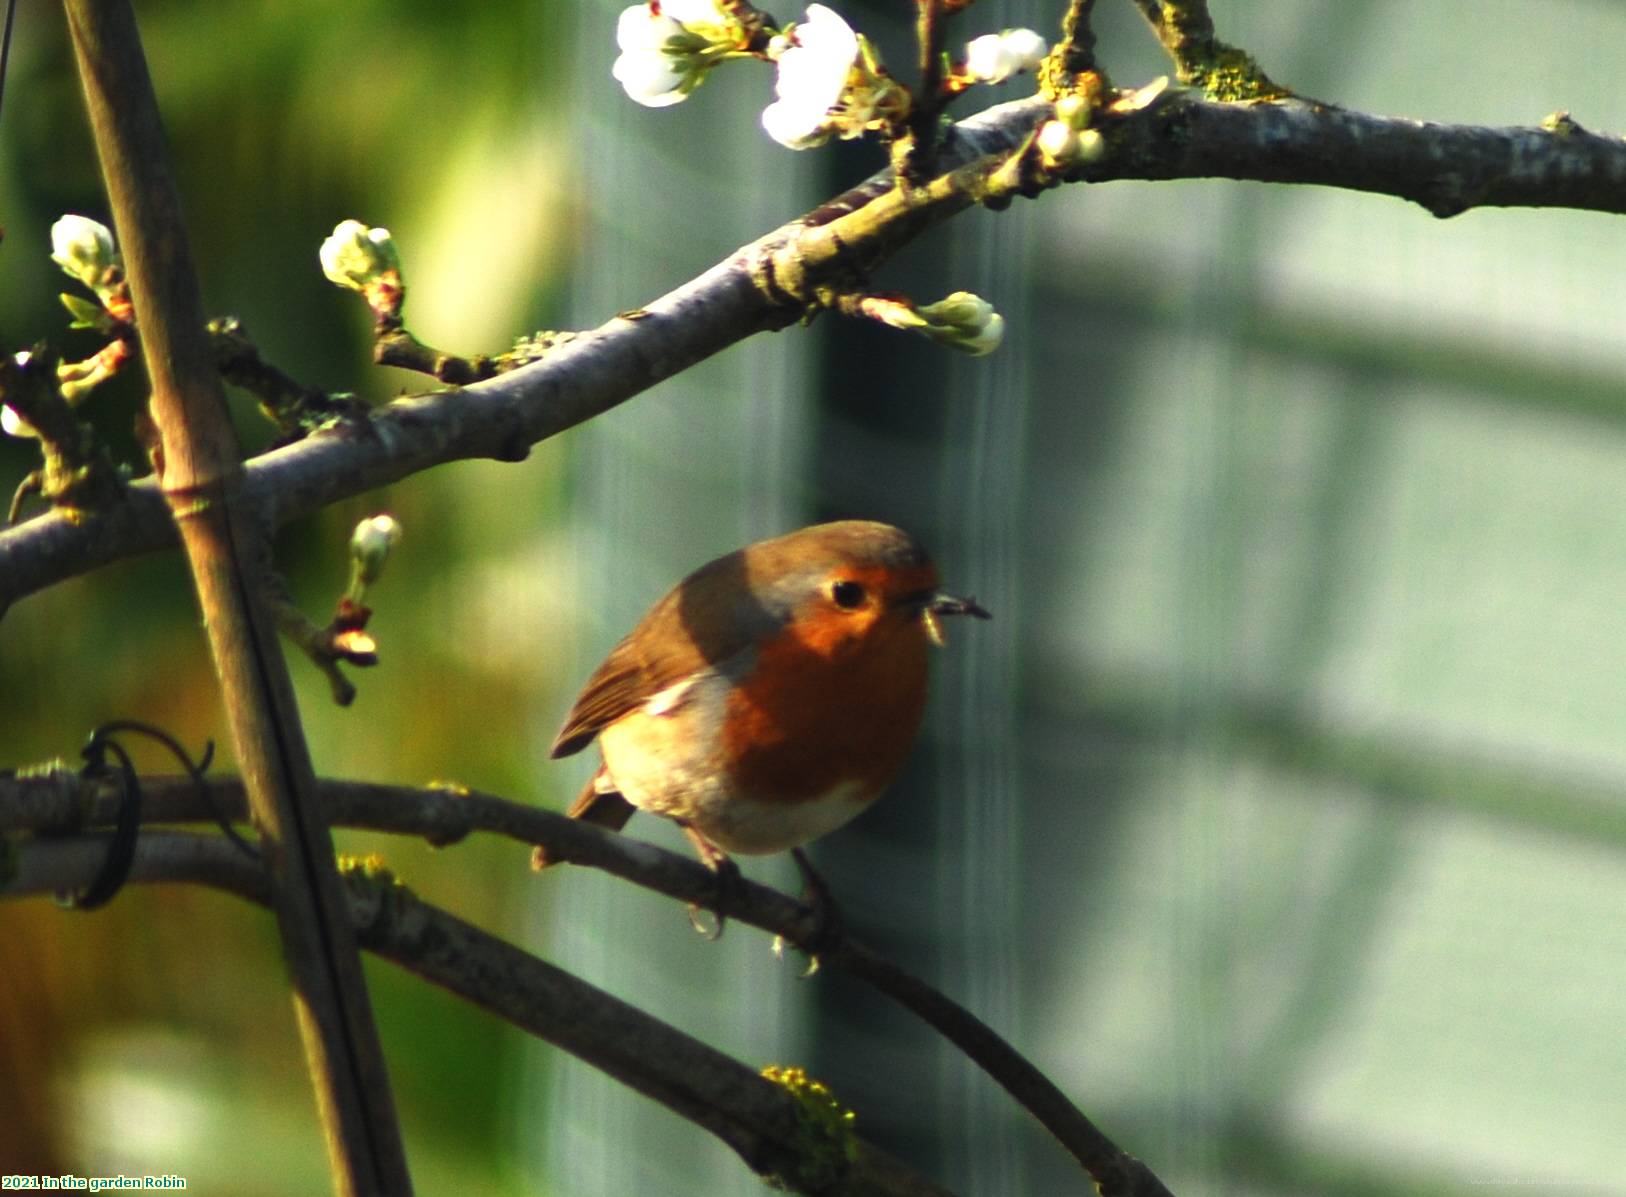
x=847 y=594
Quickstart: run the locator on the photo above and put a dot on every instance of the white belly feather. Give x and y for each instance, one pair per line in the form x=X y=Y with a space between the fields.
x=660 y=766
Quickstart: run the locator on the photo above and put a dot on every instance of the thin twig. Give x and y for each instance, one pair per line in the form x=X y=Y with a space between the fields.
x=1201 y=58
x=1078 y=36
x=292 y=406
x=77 y=475
x=920 y=160
x=398 y=347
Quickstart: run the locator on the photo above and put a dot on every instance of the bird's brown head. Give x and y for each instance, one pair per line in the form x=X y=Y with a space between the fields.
x=847 y=584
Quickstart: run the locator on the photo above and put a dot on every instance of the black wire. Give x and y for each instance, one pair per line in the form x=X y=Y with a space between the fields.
x=115 y=870
x=194 y=771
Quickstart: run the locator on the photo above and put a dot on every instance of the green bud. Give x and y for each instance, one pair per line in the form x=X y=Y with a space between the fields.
x=370 y=546
x=965 y=322
x=1058 y=144
x=1073 y=110
x=356 y=256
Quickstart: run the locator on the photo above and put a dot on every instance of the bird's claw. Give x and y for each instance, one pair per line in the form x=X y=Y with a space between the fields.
x=698 y=921
x=728 y=879
x=813 y=958
x=828 y=926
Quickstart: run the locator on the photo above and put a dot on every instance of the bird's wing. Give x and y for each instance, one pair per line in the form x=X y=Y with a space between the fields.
x=657 y=655
x=709 y=622
x=623 y=683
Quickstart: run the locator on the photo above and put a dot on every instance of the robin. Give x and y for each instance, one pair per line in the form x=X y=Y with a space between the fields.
x=769 y=697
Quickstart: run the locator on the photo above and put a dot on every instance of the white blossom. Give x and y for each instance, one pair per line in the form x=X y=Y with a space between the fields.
x=995 y=57
x=667 y=48
x=814 y=68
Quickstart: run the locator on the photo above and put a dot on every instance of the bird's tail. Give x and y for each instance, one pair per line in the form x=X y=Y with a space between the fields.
x=599 y=804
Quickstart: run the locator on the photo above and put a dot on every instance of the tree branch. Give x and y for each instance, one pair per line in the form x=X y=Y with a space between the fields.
x=759 y=1120
x=1221 y=71
x=60 y=802
x=1078 y=36
x=1445 y=168
x=198 y=471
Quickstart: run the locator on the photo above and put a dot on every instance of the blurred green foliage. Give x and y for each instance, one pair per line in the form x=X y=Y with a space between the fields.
x=1278 y=815
x=441 y=122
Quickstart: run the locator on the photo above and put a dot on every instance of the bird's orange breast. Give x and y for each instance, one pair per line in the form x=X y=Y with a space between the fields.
x=820 y=709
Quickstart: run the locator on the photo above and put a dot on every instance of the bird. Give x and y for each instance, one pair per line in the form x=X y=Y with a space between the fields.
x=768 y=698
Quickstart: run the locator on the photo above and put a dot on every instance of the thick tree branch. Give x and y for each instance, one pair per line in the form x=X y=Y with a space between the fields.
x=198 y=470
x=1445 y=168
x=756 y=1118
x=61 y=802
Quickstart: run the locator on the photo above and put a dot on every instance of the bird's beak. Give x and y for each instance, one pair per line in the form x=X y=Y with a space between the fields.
x=938 y=605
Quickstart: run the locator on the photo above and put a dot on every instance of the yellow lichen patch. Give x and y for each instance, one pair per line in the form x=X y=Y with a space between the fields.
x=1230 y=75
x=370 y=869
x=826 y=1144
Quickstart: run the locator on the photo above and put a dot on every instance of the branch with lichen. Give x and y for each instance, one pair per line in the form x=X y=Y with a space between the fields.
x=289 y=404
x=1447 y=169
x=780 y=1124
x=1220 y=71
x=1076 y=50
x=56 y=802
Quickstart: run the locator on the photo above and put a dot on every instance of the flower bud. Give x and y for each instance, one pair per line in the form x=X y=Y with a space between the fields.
x=1073 y=109
x=965 y=322
x=14 y=425
x=84 y=249
x=370 y=547
x=667 y=49
x=960 y=308
x=1058 y=144
x=995 y=57
x=355 y=256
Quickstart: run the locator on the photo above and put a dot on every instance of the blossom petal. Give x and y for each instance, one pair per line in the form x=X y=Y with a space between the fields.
x=813 y=73
x=641 y=28
x=794 y=125
x=650 y=77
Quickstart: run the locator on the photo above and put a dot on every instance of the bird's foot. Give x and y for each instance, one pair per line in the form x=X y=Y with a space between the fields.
x=728 y=879
x=829 y=928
